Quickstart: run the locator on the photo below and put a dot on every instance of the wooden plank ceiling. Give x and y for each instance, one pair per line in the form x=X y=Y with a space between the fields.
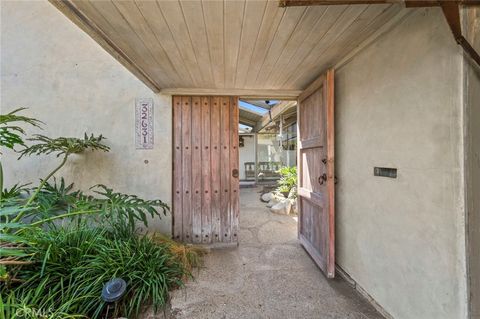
x=242 y=45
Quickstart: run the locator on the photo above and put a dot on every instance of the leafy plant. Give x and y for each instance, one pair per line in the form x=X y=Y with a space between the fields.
x=111 y=207
x=65 y=146
x=288 y=179
x=73 y=263
x=58 y=270
x=14 y=210
x=118 y=208
x=11 y=134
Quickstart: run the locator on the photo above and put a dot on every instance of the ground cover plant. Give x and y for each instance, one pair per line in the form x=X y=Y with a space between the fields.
x=60 y=245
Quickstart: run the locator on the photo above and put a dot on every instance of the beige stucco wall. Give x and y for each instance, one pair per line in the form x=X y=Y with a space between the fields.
x=399 y=104
x=472 y=169
x=68 y=81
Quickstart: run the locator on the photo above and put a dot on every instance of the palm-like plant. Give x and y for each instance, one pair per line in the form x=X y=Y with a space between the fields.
x=62 y=146
x=11 y=134
x=13 y=210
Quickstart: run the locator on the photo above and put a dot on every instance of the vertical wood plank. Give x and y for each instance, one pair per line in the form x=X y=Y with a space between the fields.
x=177 y=169
x=215 y=147
x=225 y=218
x=187 y=168
x=206 y=176
x=234 y=184
x=196 y=170
x=330 y=128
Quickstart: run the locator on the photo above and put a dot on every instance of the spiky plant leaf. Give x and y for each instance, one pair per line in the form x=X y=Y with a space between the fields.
x=14 y=192
x=11 y=135
x=64 y=145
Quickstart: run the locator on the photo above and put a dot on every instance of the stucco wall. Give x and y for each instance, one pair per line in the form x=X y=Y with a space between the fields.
x=472 y=174
x=399 y=104
x=68 y=81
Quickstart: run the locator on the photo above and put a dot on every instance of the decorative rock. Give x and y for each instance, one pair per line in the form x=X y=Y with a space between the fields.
x=266 y=197
x=293 y=193
x=294 y=208
x=282 y=208
x=272 y=202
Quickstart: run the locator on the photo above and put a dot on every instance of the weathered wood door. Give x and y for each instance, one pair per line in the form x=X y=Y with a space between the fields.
x=205 y=169
x=316 y=191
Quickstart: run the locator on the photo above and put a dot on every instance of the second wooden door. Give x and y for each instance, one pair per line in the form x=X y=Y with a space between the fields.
x=316 y=179
x=205 y=169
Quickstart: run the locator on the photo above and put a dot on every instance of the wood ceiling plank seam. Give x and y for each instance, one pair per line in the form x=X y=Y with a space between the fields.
x=252 y=94
x=270 y=21
x=234 y=14
x=242 y=73
x=161 y=75
x=127 y=10
x=265 y=54
x=263 y=74
x=316 y=67
x=343 y=20
x=239 y=43
x=173 y=16
x=332 y=34
x=295 y=42
x=151 y=12
x=328 y=19
x=94 y=32
x=125 y=30
x=207 y=42
x=223 y=44
x=198 y=35
x=215 y=38
x=160 y=43
x=383 y=17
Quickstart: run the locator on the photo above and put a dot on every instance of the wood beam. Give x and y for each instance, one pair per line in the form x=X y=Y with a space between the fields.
x=408 y=3
x=76 y=16
x=241 y=93
x=274 y=113
x=451 y=11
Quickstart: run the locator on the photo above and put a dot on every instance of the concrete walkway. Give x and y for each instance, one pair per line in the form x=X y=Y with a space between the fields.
x=268 y=276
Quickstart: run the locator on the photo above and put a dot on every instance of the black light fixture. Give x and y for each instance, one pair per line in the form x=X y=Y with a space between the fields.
x=114 y=290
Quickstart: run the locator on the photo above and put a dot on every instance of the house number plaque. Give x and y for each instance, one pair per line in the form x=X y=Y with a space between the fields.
x=144 y=123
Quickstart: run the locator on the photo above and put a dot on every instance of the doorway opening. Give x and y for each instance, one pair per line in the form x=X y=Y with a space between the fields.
x=268 y=159
x=267 y=140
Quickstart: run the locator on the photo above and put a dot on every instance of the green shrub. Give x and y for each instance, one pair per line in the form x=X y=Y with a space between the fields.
x=57 y=270
x=288 y=179
x=71 y=265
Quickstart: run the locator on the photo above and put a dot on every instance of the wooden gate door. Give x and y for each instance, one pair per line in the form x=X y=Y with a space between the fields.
x=205 y=169
x=316 y=191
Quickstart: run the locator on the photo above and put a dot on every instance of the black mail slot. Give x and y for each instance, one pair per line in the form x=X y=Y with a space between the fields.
x=385 y=172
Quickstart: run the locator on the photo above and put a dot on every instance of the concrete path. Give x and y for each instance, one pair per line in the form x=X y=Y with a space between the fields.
x=268 y=276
